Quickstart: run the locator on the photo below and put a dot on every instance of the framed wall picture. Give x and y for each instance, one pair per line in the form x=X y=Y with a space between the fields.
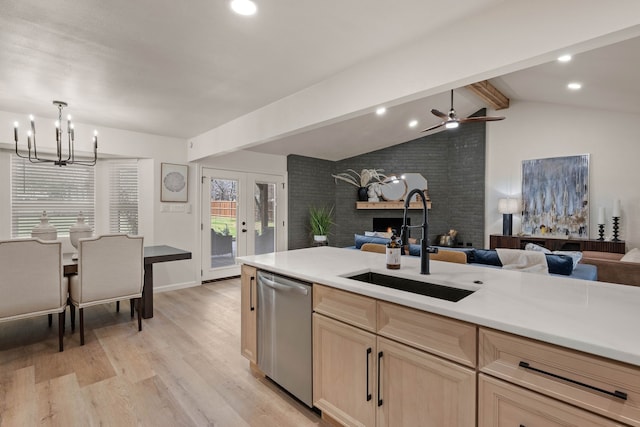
x=555 y=197
x=174 y=183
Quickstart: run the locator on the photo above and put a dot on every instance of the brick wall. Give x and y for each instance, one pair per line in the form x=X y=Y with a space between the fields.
x=453 y=162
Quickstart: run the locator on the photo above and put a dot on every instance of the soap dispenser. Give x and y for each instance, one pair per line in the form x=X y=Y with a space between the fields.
x=393 y=253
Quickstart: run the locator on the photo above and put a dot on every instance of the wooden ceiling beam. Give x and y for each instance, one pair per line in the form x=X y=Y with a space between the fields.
x=489 y=94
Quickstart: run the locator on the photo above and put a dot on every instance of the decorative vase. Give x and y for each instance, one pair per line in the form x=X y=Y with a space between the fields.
x=44 y=230
x=363 y=195
x=77 y=231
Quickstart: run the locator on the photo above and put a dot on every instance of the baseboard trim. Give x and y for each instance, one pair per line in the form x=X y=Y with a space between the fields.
x=175 y=286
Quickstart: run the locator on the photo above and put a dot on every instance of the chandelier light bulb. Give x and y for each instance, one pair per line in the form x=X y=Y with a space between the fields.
x=69 y=117
x=16 y=124
x=31 y=118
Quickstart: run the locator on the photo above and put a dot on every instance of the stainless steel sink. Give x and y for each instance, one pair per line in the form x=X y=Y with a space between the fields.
x=415 y=286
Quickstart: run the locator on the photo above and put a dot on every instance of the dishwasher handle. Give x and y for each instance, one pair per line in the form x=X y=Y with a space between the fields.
x=300 y=289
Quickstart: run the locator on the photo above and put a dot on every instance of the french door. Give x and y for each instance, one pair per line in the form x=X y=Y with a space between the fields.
x=243 y=214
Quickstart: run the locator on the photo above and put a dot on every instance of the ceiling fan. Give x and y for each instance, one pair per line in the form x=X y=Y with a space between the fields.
x=451 y=120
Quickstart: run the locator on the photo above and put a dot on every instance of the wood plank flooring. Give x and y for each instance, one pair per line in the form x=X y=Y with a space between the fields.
x=183 y=369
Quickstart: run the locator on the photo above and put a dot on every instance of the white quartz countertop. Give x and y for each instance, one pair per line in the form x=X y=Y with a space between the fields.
x=594 y=317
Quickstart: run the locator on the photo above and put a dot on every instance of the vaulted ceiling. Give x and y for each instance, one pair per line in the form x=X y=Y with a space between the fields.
x=180 y=69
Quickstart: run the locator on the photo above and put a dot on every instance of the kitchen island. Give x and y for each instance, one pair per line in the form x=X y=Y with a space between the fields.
x=578 y=337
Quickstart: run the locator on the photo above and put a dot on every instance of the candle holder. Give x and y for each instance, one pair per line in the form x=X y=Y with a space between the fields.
x=616 y=220
x=601 y=232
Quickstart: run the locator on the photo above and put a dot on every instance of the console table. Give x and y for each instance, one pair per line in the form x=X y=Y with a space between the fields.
x=556 y=244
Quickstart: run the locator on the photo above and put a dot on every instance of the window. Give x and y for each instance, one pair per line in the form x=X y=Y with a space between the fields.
x=61 y=191
x=123 y=196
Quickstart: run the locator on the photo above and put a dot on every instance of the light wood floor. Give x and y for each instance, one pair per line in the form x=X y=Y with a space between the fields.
x=183 y=369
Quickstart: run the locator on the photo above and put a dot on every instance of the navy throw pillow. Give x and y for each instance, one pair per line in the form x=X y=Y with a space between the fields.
x=560 y=264
x=485 y=256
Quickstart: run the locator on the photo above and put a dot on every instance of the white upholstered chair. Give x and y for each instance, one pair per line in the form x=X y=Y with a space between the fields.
x=110 y=269
x=31 y=281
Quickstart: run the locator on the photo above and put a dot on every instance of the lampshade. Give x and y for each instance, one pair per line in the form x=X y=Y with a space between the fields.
x=507 y=206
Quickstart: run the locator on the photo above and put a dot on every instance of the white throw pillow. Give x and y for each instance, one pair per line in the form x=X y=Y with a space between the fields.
x=632 y=256
x=576 y=256
x=533 y=247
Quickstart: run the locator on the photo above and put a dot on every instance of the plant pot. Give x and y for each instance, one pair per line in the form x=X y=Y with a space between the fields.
x=363 y=195
x=319 y=238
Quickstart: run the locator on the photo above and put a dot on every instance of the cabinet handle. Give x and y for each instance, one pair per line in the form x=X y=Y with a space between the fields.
x=368 y=356
x=619 y=394
x=251 y=306
x=379 y=392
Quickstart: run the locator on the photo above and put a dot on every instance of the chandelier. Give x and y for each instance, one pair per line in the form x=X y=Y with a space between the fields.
x=60 y=160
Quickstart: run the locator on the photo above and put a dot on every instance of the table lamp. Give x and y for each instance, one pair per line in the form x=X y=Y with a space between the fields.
x=507 y=207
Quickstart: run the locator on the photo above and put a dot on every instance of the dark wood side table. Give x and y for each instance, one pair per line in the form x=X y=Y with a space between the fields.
x=152 y=255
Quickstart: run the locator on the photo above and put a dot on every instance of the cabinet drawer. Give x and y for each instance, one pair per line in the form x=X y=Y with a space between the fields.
x=449 y=338
x=348 y=307
x=503 y=404
x=577 y=378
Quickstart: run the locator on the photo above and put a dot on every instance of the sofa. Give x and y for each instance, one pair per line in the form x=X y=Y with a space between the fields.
x=559 y=265
x=611 y=268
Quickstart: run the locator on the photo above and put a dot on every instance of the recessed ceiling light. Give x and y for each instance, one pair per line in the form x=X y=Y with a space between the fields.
x=413 y=123
x=574 y=86
x=244 y=7
x=564 y=58
x=381 y=110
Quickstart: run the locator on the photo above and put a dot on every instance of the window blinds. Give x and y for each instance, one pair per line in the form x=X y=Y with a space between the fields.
x=62 y=191
x=123 y=196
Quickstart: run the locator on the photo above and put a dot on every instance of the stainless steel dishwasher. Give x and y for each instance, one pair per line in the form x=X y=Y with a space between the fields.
x=284 y=333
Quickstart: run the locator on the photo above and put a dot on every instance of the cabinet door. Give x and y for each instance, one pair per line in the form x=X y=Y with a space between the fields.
x=419 y=389
x=248 y=314
x=501 y=404
x=344 y=361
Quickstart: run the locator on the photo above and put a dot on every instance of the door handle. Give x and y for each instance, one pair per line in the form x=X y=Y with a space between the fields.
x=244 y=230
x=286 y=288
x=616 y=393
x=368 y=357
x=379 y=392
x=251 y=306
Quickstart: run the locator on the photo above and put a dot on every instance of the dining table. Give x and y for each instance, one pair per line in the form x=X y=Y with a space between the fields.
x=152 y=255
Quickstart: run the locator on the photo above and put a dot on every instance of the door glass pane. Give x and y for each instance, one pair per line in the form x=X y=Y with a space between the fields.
x=224 y=222
x=264 y=217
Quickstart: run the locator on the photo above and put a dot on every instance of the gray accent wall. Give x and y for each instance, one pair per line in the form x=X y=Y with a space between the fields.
x=453 y=162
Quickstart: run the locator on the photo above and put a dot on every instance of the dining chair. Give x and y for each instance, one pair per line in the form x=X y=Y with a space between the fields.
x=32 y=281
x=374 y=247
x=110 y=269
x=449 y=256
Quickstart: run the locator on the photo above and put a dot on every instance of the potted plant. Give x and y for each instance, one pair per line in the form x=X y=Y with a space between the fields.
x=320 y=220
x=361 y=180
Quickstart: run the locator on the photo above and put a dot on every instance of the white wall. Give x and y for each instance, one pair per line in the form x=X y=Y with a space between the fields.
x=537 y=130
x=172 y=228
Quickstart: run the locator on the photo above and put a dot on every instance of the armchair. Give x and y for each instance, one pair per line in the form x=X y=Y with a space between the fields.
x=110 y=269
x=32 y=283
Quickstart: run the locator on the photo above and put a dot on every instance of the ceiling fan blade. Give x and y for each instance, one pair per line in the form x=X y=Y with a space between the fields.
x=433 y=127
x=439 y=114
x=481 y=119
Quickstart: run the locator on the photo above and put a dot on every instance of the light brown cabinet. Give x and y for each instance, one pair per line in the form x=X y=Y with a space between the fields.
x=501 y=404
x=364 y=379
x=599 y=385
x=417 y=388
x=343 y=371
x=249 y=314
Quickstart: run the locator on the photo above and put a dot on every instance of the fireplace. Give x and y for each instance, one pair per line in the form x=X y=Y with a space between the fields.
x=388 y=224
